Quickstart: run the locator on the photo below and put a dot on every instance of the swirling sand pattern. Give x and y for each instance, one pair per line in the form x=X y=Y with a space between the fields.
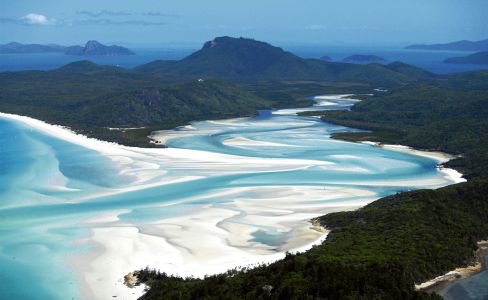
x=77 y=214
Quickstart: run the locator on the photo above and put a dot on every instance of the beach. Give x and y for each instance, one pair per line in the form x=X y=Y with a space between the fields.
x=440 y=283
x=230 y=201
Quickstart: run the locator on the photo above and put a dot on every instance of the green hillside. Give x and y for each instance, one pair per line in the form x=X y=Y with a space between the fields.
x=380 y=251
x=90 y=98
x=478 y=58
x=228 y=77
x=247 y=59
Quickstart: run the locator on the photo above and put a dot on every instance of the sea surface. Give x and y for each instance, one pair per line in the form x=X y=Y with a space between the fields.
x=428 y=60
x=255 y=171
x=471 y=288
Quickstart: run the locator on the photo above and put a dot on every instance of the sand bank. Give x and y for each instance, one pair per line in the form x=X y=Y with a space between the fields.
x=237 y=226
x=440 y=157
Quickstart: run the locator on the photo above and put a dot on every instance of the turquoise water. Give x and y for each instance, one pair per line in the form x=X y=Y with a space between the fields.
x=32 y=165
x=49 y=187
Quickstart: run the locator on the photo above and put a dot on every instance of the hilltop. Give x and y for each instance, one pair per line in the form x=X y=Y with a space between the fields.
x=227 y=77
x=370 y=252
x=95 y=48
x=455 y=46
x=479 y=58
x=14 y=47
x=382 y=250
x=91 y=48
x=247 y=59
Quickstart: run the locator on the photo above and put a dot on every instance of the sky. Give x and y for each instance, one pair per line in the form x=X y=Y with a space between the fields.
x=179 y=22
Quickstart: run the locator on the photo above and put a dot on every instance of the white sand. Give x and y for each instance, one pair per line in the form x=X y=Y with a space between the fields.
x=322 y=101
x=245 y=142
x=440 y=157
x=458 y=273
x=211 y=238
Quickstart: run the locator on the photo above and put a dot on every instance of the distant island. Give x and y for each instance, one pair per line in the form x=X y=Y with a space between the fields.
x=146 y=96
x=455 y=46
x=325 y=58
x=364 y=59
x=13 y=47
x=95 y=48
x=91 y=48
x=479 y=58
x=370 y=252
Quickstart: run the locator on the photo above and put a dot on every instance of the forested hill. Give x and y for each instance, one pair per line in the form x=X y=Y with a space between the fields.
x=380 y=251
x=478 y=58
x=91 y=99
x=377 y=252
x=228 y=77
x=450 y=115
x=247 y=59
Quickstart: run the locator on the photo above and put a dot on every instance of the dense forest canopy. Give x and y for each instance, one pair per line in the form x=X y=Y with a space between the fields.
x=377 y=252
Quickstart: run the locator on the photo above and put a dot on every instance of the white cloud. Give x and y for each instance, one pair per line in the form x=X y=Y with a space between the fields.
x=33 y=19
x=36 y=19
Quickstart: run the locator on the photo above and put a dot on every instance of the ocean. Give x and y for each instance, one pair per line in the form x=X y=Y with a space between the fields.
x=428 y=60
x=74 y=218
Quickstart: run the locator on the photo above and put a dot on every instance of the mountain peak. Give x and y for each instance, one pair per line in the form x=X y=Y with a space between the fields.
x=93 y=47
x=210 y=44
x=243 y=59
x=80 y=66
x=231 y=57
x=92 y=44
x=226 y=42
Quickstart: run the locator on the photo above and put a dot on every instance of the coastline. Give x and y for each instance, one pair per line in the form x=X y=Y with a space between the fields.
x=108 y=242
x=435 y=285
x=440 y=157
x=139 y=251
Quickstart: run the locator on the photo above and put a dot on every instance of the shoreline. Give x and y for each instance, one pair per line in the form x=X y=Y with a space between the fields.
x=106 y=237
x=440 y=157
x=436 y=285
x=105 y=251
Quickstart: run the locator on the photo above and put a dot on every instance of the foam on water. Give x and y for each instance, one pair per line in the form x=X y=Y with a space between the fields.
x=74 y=221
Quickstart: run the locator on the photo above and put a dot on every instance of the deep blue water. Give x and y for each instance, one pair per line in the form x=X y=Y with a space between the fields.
x=429 y=60
x=48 y=61
x=425 y=59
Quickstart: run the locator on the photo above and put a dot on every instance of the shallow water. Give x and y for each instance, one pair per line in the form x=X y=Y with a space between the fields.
x=472 y=288
x=245 y=194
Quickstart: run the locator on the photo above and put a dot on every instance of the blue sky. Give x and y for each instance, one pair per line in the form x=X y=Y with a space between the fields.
x=153 y=23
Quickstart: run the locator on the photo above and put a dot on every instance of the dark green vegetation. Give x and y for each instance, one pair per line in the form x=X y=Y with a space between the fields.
x=376 y=252
x=246 y=59
x=455 y=46
x=228 y=77
x=383 y=249
x=91 y=99
x=430 y=116
x=479 y=58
